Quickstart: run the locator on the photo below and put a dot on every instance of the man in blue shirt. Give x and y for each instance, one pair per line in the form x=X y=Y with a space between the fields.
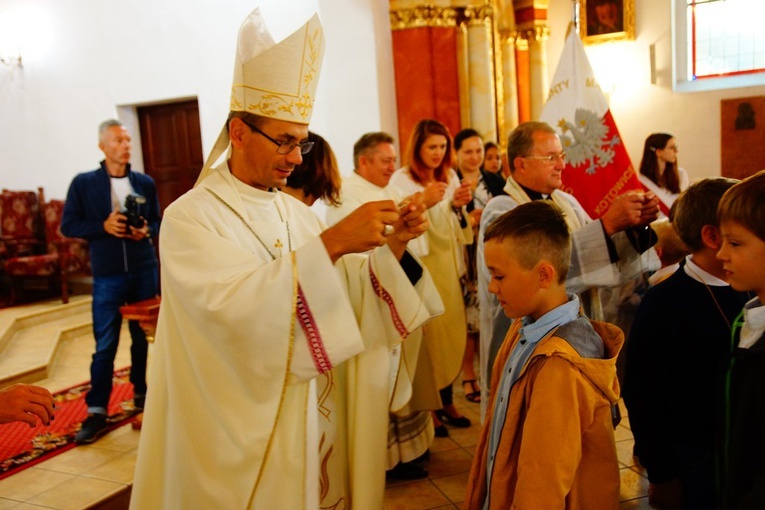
x=123 y=261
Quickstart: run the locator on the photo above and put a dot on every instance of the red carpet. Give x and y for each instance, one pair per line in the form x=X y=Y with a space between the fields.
x=22 y=447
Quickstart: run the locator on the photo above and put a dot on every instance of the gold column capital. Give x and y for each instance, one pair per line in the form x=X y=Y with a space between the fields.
x=478 y=15
x=423 y=16
x=509 y=36
x=536 y=34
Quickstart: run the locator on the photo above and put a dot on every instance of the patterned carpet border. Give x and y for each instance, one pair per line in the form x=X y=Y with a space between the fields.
x=22 y=447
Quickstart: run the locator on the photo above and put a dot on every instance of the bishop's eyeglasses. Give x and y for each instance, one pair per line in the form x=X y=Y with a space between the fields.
x=282 y=147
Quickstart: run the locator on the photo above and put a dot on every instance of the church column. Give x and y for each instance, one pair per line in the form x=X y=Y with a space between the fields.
x=531 y=20
x=480 y=57
x=539 y=81
x=509 y=82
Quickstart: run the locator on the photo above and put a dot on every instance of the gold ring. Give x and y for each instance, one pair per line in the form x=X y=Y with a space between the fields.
x=388 y=230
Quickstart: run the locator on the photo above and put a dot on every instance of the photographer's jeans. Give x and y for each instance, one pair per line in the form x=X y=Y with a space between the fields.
x=109 y=293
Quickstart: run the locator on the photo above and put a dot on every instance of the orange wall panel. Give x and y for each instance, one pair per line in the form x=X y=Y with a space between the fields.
x=425 y=66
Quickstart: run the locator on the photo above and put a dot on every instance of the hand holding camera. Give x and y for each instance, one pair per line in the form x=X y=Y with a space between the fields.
x=133 y=217
x=128 y=222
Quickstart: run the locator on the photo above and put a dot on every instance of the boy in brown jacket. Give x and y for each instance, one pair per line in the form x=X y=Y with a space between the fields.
x=548 y=439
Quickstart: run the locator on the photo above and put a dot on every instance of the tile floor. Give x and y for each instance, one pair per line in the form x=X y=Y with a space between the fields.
x=450 y=464
x=87 y=475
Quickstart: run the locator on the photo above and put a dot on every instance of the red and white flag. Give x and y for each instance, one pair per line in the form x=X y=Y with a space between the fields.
x=598 y=168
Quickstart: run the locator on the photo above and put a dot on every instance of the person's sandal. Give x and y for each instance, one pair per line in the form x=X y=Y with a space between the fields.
x=474 y=395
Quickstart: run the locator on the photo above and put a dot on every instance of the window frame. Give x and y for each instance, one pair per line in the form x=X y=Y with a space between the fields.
x=681 y=57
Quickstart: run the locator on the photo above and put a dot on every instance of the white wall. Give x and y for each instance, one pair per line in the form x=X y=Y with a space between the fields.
x=640 y=108
x=88 y=60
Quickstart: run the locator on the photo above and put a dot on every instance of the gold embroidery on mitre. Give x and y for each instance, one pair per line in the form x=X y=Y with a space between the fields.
x=293 y=101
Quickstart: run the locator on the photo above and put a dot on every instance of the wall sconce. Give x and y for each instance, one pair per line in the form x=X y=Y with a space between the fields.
x=11 y=61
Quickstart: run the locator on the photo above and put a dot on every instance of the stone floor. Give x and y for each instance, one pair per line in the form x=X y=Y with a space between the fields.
x=100 y=475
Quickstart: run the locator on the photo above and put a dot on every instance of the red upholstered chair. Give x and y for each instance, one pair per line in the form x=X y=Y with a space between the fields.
x=3 y=256
x=20 y=225
x=64 y=256
x=73 y=253
x=21 y=230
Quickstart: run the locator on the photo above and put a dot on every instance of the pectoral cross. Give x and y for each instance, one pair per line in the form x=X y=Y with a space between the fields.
x=278 y=245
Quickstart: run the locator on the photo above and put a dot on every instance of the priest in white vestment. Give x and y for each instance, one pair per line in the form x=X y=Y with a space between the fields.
x=409 y=434
x=605 y=252
x=259 y=300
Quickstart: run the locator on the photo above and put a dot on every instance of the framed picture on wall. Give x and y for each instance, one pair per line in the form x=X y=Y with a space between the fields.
x=742 y=132
x=606 y=20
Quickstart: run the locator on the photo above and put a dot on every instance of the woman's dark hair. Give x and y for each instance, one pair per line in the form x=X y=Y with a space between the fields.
x=464 y=135
x=649 y=164
x=318 y=175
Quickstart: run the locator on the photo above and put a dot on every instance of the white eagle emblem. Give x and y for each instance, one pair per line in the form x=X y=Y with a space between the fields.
x=585 y=141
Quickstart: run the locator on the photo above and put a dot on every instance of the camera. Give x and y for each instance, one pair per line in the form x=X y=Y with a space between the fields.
x=132 y=205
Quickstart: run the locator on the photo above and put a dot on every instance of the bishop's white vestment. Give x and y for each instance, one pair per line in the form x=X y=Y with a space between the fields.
x=244 y=408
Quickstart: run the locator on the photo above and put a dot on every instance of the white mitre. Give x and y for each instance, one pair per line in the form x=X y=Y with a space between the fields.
x=274 y=80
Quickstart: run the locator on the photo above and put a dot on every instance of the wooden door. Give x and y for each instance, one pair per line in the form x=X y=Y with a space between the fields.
x=172 y=147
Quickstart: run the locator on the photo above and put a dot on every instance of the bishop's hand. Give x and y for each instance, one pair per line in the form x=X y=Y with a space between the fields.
x=364 y=229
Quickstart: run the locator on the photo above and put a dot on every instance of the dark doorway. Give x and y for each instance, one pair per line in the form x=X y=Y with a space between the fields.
x=172 y=147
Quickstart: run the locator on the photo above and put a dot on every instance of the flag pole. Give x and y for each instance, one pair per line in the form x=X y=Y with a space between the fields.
x=574 y=24
x=599 y=167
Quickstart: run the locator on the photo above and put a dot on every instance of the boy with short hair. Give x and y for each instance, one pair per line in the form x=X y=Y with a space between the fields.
x=548 y=438
x=678 y=339
x=741 y=472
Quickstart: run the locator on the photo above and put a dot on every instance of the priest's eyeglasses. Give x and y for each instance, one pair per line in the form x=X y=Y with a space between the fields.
x=552 y=159
x=283 y=147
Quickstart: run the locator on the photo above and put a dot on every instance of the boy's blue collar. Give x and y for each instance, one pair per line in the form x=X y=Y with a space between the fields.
x=533 y=331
